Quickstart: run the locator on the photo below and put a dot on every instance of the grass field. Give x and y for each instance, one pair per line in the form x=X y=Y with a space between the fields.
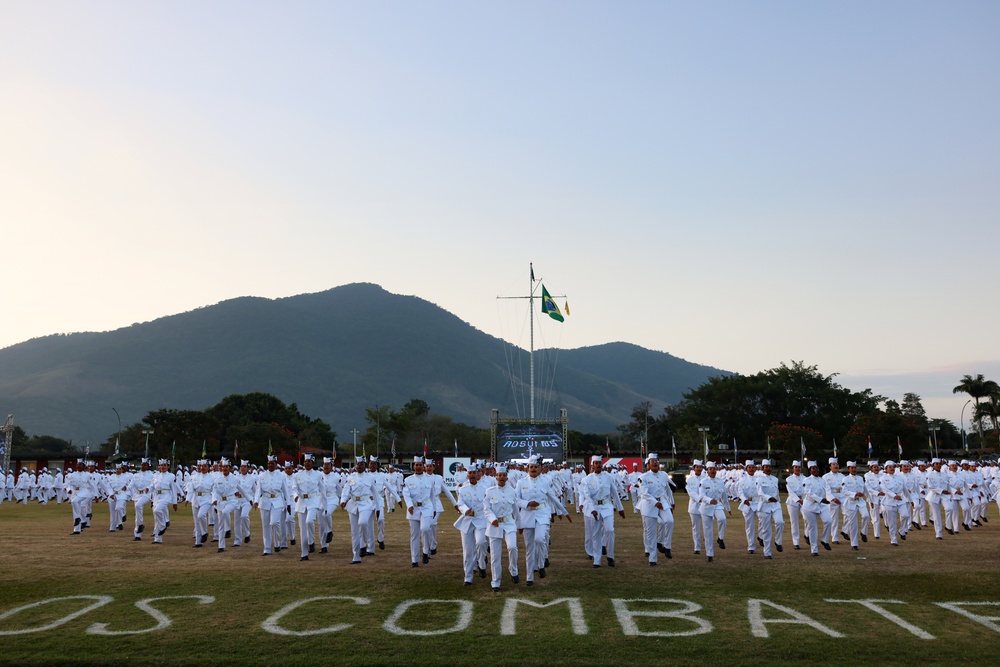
x=41 y=561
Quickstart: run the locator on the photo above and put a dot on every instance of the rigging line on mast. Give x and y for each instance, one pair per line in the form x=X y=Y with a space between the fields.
x=514 y=360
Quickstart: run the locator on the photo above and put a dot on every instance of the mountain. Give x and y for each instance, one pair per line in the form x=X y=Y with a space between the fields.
x=333 y=353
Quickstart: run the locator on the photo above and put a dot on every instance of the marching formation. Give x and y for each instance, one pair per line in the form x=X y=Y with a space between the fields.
x=498 y=503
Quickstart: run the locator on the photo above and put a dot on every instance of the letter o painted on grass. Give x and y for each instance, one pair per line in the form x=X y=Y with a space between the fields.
x=462 y=622
x=271 y=623
x=99 y=601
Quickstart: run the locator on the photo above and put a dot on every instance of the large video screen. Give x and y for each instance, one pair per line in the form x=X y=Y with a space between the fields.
x=520 y=441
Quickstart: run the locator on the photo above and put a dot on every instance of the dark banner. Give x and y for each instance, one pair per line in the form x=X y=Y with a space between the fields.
x=520 y=441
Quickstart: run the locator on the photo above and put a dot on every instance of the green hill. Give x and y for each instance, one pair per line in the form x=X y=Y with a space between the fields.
x=333 y=353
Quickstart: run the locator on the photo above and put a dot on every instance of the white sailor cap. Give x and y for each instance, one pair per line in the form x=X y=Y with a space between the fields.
x=749 y=462
x=225 y=462
x=501 y=468
x=652 y=455
x=890 y=462
x=473 y=467
x=327 y=459
x=203 y=462
x=852 y=464
x=144 y=460
x=904 y=462
x=163 y=462
x=244 y=462
x=812 y=464
x=710 y=464
x=832 y=460
x=418 y=459
x=765 y=462
x=289 y=464
x=535 y=459
x=373 y=459
x=872 y=463
x=952 y=462
x=596 y=458
x=697 y=462
x=797 y=463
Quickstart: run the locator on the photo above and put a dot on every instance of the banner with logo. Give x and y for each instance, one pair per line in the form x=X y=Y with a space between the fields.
x=520 y=441
x=449 y=467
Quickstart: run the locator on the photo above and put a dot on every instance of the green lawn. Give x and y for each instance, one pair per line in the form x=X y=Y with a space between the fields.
x=364 y=608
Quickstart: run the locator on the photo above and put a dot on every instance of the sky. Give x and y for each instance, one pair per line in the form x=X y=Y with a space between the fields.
x=738 y=184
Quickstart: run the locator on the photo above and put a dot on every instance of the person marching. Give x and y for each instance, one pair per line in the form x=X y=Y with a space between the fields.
x=247 y=488
x=307 y=494
x=814 y=509
x=358 y=498
x=712 y=499
x=855 y=503
x=692 y=486
x=795 y=485
x=500 y=507
x=225 y=496
x=601 y=493
x=746 y=491
x=656 y=505
x=772 y=524
x=938 y=493
x=82 y=489
x=332 y=488
x=536 y=503
x=199 y=497
x=271 y=497
x=419 y=511
x=472 y=525
x=165 y=492
x=139 y=491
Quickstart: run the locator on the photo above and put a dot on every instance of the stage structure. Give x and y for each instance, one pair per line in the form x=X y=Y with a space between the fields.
x=517 y=438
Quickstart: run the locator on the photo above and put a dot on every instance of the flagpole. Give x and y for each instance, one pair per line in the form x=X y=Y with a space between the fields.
x=531 y=327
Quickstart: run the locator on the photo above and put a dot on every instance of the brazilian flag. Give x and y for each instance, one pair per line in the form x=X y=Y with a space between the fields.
x=549 y=306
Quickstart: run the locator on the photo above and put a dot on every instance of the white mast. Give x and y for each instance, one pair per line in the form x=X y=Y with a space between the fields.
x=531 y=326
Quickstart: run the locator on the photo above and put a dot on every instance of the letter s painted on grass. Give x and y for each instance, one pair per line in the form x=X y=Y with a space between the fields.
x=162 y=620
x=99 y=601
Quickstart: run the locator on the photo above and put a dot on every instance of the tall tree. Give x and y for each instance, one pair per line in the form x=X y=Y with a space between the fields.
x=976 y=387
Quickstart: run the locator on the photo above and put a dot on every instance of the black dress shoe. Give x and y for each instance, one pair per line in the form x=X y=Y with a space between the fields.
x=531 y=583
x=604 y=551
x=329 y=537
x=324 y=550
x=855 y=548
x=826 y=546
x=482 y=573
x=652 y=563
x=468 y=583
x=546 y=562
x=767 y=557
x=778 y=547
x=760 y=542
x=292 y=542
x=696 y=552
x=198 y=546
x=516 y=579
x=312 y=548
x=541 y=573
x=434 y=552
x=414 y=565
x=845 y=536
x=902 y=536
x=797 y=547
x=807 y=540
x=709 y=559
x=864 y=538
x=220 y=550
x=137 y=539
x=722 y=543
x=381 y=546
x=496 y=589
x=141 y=528
x=427 y=559
x=595 y=567
x=611 y=562
x=265 y=554
x=229 y=534
x=302 y=558
x=204 y=538
x=666 y=552
x=246 y=540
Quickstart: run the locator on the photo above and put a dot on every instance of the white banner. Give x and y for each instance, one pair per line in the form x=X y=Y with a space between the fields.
x=449 y=466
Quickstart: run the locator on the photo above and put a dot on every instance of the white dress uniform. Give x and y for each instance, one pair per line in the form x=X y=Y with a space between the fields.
x=332 y=489
x=165 y=492
x=772 y=523
x=247 y=486
x=224 y=498
x=656 y=502
x=471 y=523
x=937 y=492
x=711 y=507
x=82 y=488
x=692 y=487
x=358 y=498
x=118 y=484
x=601 y=493
x=894 y=504
x=814 y=509
x=500 y=507
x=746 y=491
x=420 y=513
x=855 y=505
x=199 y=494
x=795 y=486
x=956 y=485
x=535 y=521
x=307 y=493
x=272 y=499
x=835 y=491
x=875 y=497
x=140 y=494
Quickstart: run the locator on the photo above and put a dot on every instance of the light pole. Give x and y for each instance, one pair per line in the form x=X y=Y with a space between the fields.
x=963 y=421
x=934 y=431
x=355 y=432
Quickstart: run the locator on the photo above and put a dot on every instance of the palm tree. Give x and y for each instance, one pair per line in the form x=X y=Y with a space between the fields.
x=990 y=409
x=977 y=387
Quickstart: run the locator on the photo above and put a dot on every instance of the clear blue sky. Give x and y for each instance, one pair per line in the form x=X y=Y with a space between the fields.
x=736 y=183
